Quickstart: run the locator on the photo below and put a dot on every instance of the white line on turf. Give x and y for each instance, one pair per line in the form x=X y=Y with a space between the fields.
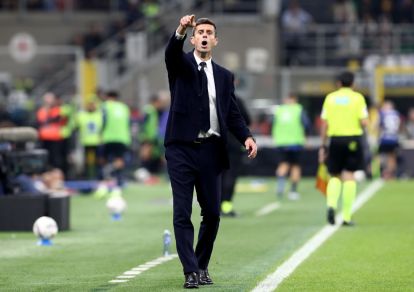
x=132 y=273
x=273 y=280
x=268 y=209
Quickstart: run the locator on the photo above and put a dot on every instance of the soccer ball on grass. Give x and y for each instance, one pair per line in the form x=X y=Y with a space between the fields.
x=45 y=228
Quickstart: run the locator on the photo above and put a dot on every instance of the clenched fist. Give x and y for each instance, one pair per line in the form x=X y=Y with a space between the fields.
x=187 y=21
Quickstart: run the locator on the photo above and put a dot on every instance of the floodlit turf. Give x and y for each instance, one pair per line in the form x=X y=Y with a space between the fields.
x=97 y=249
x=376 y=255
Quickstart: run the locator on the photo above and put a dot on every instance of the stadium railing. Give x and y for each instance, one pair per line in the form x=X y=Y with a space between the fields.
x=335 y=45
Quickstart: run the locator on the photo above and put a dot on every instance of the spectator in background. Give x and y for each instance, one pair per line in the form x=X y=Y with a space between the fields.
x=344 y=12
x=133 y=12
x=365 y=7
x=294 y=24
x=409 y=125
x=51 y=118
x=92 y=39
x=5 y=118
x=390 y=123
x=68 y=110
x=348 y=42
x=404 y=11
x=151 y=9
x=289 y=127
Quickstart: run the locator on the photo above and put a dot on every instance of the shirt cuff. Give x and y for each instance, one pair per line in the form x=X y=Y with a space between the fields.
x=179 y=36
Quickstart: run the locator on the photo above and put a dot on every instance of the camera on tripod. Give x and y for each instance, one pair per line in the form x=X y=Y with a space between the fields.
x=18 y=159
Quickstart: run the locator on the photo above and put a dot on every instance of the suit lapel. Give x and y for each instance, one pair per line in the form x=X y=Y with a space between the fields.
x=218 y=82
x=196 y=85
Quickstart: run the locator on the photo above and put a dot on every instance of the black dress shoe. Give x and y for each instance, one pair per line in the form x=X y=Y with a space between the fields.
x=191 y=281
x=204 y=278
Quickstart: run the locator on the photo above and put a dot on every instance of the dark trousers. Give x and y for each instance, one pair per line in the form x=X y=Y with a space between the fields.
x=230 y=175
x=91 y=162
x=56 y=153
x=195 y=165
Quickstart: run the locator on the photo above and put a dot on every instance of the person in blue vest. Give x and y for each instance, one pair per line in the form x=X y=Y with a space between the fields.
x=389 y=131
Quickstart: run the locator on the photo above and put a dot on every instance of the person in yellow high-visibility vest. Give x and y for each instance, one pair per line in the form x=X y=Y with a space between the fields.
x=89 y=123
x=344 y=116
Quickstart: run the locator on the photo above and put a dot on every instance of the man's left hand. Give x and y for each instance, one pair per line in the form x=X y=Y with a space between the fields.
x=251 y=147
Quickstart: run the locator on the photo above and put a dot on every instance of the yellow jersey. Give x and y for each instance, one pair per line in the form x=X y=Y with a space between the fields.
x=343 y=111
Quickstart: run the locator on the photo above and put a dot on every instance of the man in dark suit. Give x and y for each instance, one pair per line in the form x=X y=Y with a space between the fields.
x=203 y=109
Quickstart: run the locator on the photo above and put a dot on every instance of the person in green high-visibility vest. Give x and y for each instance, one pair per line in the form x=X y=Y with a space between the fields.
x=90 y=122
x=151 y=142
x=116 y=139
x=290 y=123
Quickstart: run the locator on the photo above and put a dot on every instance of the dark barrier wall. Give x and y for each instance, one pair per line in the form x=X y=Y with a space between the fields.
x=267 y=159
x=19 y=212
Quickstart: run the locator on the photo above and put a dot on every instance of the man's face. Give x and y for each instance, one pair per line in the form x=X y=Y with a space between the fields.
x=204 y=38
x=49 y=99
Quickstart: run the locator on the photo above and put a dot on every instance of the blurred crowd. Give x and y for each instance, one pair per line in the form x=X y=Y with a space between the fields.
x=62 y=5
x=70 y=133
x=142 y=13
x=361 y=25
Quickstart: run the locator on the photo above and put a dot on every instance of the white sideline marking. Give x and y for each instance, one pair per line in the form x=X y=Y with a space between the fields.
x=125 y=277
x=132 y=273
x=273 y=280
x=268 y=209
x=118 y=281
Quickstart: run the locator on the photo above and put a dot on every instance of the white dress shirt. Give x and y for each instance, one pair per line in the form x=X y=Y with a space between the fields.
x=211 y=86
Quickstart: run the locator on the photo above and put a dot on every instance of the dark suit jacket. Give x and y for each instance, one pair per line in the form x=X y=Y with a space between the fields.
x=184 y=120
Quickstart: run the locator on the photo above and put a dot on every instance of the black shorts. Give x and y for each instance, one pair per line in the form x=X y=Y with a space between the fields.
x=345 y=153
x=114 y=150
x=388 y=147
x=290 y=155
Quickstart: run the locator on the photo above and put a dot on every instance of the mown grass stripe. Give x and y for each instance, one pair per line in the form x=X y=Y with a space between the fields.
x=272 y=281
x=269 y=208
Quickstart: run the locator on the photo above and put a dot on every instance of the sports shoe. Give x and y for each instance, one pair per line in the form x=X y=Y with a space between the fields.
x=115 y=192
x=231 y=213
x=348 y=224
x=331 y=216
x=293 y=196
x=101 y=192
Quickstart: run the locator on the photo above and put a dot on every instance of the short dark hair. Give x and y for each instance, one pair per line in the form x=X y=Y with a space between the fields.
x=112 y=94
x=346 y=78
x=205 y=20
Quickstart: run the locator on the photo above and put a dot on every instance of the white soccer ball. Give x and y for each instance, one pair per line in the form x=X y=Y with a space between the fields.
x=116 y=205
x=142 y=174
x=45 y=227
x=359 y=175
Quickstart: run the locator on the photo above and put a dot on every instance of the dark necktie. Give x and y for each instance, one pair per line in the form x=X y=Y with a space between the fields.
x=205 y=104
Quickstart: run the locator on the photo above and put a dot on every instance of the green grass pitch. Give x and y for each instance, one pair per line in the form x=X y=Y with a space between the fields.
x=376 y=255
